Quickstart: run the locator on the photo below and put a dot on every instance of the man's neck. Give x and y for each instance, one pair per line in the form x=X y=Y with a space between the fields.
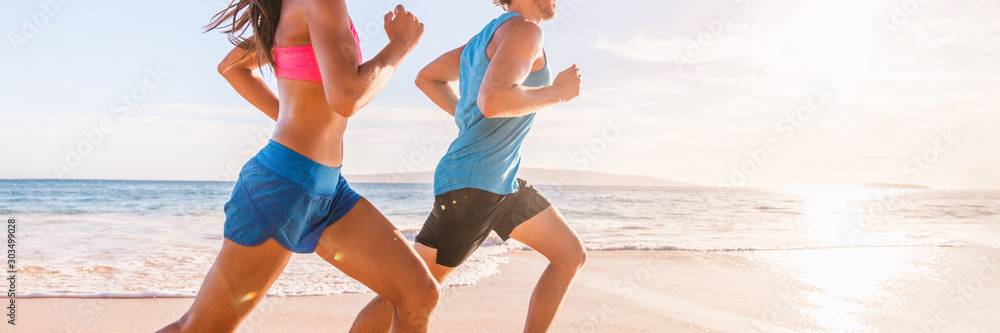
x=530 y=14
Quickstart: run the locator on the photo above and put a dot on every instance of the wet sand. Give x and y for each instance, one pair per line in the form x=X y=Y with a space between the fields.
x=918 y=289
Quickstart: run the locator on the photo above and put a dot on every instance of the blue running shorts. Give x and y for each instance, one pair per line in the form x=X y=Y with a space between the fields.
x=283 y=195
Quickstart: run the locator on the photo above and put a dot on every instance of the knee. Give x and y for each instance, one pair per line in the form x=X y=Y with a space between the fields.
x=574 y=260
x=188 y=324
x=423 y=297
x=581 y=259
x=419 y=302
x=178 y=326
x=184 y=324
x=173 y=327
x=431 y=293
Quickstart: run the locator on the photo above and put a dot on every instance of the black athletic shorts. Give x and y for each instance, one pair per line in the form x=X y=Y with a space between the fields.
x=462 y=219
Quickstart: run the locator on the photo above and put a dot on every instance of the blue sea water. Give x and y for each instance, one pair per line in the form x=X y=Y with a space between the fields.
x=158 y=238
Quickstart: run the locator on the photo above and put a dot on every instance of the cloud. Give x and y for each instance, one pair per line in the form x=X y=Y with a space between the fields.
x=641 y=46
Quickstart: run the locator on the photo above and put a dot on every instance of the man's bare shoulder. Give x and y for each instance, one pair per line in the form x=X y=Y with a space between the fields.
x=522 y=31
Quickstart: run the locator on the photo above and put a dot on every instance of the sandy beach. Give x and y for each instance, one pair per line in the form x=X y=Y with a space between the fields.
x=887 y=289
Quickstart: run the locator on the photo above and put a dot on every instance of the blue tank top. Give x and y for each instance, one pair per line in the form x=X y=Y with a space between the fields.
x=487 y=152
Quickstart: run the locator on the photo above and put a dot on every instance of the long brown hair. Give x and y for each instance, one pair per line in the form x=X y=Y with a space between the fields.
x=262 y=16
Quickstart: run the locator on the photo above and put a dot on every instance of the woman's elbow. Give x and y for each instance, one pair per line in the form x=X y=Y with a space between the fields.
x=341 y=101
x=230 y=72
x=345 y=109
x=344 y=104
x=223 y=68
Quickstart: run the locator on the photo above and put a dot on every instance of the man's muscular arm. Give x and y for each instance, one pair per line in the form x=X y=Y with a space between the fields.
x=501 y=94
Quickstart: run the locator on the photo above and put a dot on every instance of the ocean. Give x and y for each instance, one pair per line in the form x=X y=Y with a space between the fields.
x=110 y=238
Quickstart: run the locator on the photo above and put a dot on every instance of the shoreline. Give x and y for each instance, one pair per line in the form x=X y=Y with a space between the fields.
x=633 y=291
x=500 y=301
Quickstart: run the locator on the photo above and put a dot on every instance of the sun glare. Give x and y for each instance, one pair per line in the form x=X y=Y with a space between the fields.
x=832 y=212
x=848 y=282
x=826 y=200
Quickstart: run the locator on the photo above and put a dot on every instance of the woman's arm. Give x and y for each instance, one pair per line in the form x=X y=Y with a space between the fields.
x=245 y=78
x=349 y=85
x=434 y=80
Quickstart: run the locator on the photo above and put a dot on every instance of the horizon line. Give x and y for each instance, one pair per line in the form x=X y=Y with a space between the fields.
x=695 y=185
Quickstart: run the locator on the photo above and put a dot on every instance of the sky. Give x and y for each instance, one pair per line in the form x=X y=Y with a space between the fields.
x=777 y=93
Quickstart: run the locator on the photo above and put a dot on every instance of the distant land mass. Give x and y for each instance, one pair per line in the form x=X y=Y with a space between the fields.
x=534 y=176
x=893 y=185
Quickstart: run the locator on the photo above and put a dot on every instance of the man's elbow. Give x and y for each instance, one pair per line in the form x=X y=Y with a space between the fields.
x=425 y=80
x=488 y=103
x=487 y=107
x=421 y=79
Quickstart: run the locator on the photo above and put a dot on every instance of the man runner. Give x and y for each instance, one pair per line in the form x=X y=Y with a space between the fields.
x=504 y=80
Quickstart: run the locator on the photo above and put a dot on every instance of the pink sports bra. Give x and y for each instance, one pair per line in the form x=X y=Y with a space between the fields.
x=299 y=62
